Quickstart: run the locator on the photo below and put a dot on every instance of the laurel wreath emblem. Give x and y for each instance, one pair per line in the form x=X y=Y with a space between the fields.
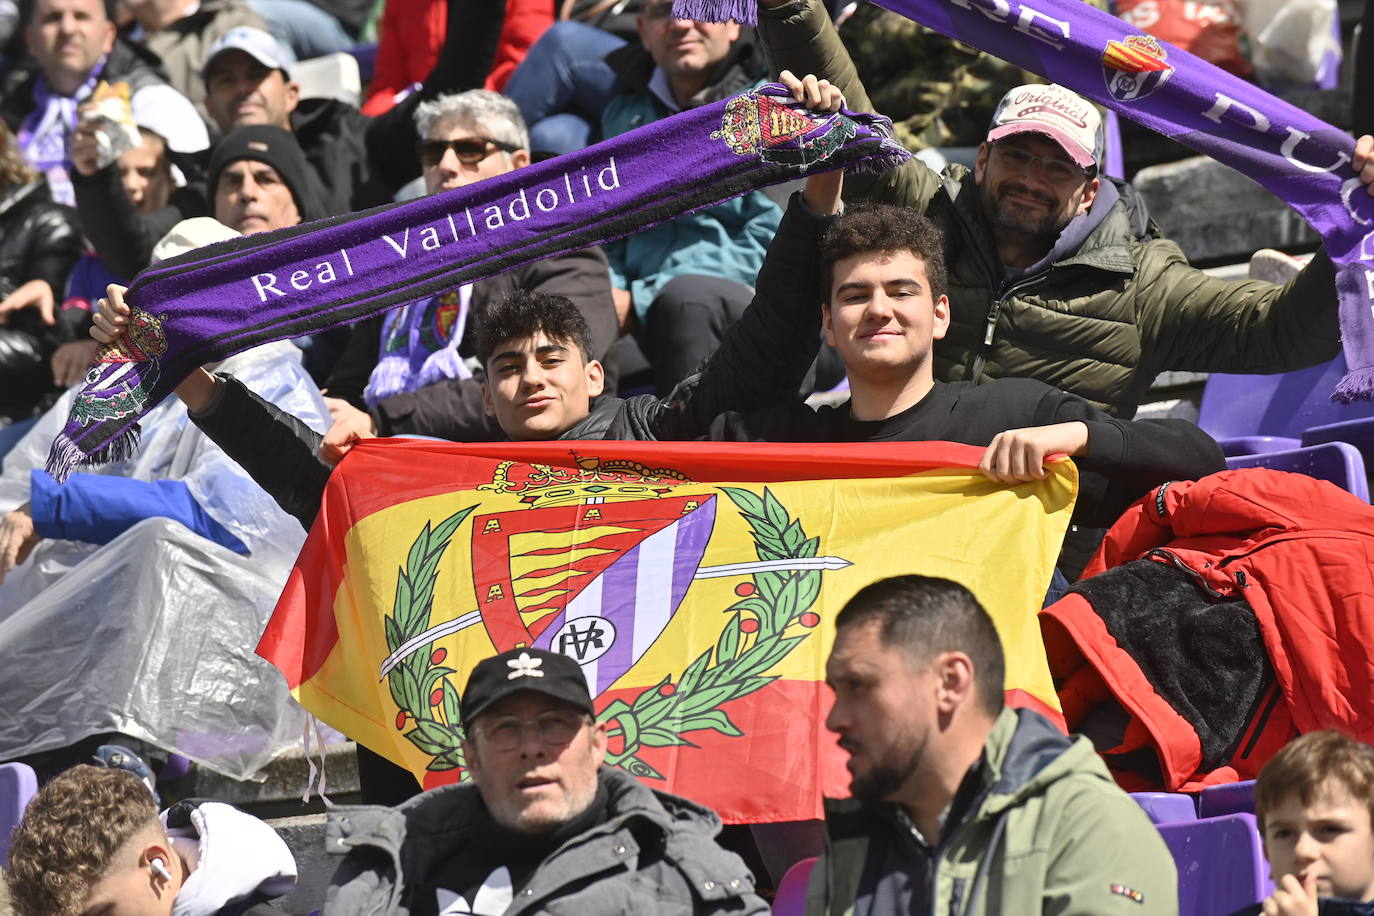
x=420 y=684
x=772 y=617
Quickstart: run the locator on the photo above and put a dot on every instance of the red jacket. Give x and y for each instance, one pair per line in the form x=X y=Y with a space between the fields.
x=412 y=33
x=1298 y=551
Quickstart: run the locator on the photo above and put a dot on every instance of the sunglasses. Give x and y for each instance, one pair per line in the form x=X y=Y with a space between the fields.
x=469 y=150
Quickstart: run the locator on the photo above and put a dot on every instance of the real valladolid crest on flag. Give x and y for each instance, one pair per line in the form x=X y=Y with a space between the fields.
x=219 y=300
x=1301 y=159
x=697 y=586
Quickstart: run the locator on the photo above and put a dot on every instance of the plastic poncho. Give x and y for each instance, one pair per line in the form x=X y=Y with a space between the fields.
x=140 y=610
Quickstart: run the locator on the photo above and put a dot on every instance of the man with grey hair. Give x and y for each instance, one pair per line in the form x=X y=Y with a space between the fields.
x=397 y=375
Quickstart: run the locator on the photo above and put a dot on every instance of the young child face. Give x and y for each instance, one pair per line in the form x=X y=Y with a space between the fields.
x=1330 y=839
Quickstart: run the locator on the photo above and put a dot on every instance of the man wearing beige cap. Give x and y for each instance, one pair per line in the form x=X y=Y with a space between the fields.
x=1057 y=273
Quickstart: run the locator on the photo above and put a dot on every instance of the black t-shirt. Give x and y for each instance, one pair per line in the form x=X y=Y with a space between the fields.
x=496 y=866
x=1125 y=459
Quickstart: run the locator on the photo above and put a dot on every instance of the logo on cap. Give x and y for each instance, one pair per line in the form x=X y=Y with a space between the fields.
x=524 y=666
x=1135 y=67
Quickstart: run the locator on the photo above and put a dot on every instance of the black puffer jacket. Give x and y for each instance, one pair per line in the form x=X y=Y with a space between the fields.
x=39 y=240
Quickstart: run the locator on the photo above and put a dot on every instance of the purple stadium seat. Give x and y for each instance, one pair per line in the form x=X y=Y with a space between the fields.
x=1115 y=166
x=1232 y=798
x=1265 y=413
x=791 y=897
x=18 y=783
x=1221 y=867
x=1166 y=807
x=1338 y=462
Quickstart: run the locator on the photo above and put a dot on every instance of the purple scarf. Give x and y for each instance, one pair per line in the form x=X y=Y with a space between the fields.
x=222 y=299
x=45 y=137
x=419 y=345
x=1302 y=160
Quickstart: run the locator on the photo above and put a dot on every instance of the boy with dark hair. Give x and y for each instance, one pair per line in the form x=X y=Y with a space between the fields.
x=91 y=841
x=1315 y=805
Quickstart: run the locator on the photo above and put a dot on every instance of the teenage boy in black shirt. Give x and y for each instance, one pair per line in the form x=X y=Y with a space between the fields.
x=883 y=284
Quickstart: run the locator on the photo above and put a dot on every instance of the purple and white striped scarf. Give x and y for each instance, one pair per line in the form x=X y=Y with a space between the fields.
x=1302 y=160
x=224 y=298
x=419 y=345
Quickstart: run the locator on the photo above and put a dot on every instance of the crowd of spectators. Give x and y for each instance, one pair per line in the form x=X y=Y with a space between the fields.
x=1023 y=303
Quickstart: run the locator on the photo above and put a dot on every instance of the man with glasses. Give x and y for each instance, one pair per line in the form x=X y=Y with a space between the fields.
x=405 y=372
x=1060 y=275
x=542 y=827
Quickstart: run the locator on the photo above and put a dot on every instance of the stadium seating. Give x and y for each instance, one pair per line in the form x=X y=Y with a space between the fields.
x=790 y=899
x=1221 y=866
x=1166 y=807
x=1338 y=462
x=18 y=783
x=1247 y=414
x=1232 y=798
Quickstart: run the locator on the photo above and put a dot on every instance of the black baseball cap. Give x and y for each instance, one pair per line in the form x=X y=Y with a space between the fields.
x=550 y=673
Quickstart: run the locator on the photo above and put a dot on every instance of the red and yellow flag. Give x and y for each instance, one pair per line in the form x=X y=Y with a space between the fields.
x=695 y=583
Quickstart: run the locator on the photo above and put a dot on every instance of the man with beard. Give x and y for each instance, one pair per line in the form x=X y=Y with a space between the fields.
x=1057 y=273
x=960 y=804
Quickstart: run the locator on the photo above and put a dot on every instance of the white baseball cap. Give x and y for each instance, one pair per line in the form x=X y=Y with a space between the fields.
x=257 y=44
x=1065 y=117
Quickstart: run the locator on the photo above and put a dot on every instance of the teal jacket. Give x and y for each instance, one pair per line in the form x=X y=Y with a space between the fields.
x=1051 y=833
x=727 y=240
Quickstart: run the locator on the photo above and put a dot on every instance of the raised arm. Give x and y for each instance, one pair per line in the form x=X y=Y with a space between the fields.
x=801 y=38
x=764 y=356
x=277 y=450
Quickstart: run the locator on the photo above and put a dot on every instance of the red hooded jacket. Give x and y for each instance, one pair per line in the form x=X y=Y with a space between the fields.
x=1298 y=551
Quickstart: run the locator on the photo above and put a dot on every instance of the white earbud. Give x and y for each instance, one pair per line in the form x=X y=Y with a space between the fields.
x=159 y=868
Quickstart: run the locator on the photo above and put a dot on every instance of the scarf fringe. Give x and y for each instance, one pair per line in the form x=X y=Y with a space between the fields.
x=65 y=456
x=390 y=376
x=893 y=154
x=745 y=12
x=1358 y=385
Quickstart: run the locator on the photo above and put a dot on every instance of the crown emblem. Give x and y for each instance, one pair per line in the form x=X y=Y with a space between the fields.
x=141 y=341
x=1136 y=54
x=594 y=480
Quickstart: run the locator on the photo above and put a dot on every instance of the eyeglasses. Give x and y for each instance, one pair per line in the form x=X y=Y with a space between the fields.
x=1056 y=170
x=657 y=12
x=469 y=150
x=555 y=730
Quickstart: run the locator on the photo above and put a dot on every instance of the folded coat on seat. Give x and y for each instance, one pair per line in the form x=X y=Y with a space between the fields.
x=1219 y=619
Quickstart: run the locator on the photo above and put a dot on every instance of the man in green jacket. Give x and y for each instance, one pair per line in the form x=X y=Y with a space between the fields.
x=1056 y=273
x=961 y=806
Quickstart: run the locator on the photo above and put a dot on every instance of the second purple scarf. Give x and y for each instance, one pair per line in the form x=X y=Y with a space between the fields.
x=1301 y=159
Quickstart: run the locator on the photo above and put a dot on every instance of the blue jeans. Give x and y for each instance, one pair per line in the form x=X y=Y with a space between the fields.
x=562 y=86
x=305 y=28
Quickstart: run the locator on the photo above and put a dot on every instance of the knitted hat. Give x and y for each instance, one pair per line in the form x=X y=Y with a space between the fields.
x=274 y=146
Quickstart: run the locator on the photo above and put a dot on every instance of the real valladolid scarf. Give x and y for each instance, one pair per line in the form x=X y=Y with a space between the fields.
x=1302 y=160
x=222 y=299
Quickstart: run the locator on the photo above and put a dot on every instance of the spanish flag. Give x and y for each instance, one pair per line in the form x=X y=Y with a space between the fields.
x=696 y=584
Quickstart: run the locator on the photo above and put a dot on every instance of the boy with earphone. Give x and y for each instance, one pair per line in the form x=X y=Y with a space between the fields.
x=92 y=843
